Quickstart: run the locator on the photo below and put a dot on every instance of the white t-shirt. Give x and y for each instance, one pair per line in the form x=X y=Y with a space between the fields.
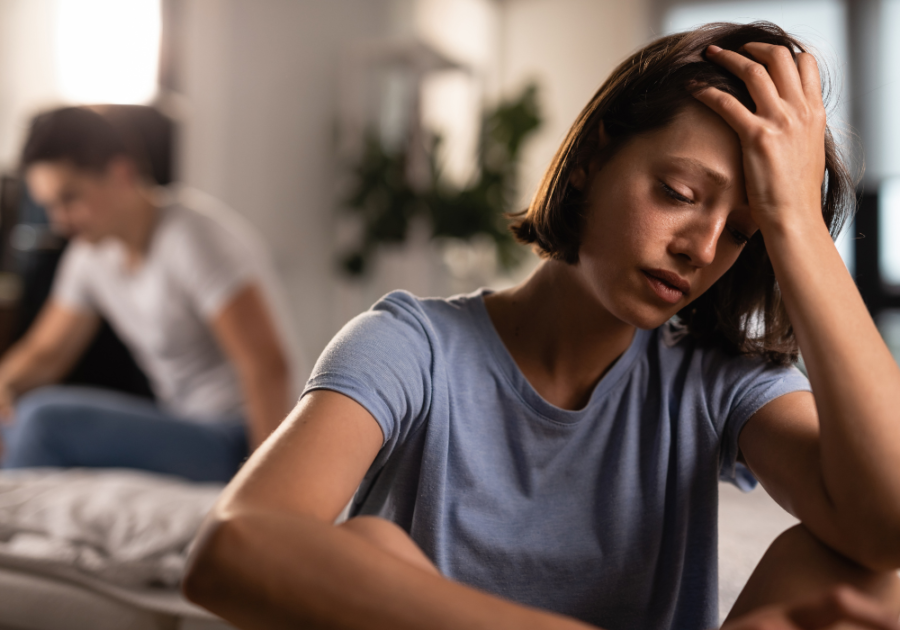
x=200 y=255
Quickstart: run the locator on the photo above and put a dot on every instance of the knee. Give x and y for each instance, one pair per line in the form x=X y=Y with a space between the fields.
x=798 y=546
x=40 y=412
x=39 y=421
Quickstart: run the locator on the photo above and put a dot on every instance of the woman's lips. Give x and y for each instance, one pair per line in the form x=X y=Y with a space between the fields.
x=668 y=286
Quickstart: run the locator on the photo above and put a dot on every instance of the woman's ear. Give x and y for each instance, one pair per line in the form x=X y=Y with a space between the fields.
x=578 y=178
x=602 y=137
x=579 y=175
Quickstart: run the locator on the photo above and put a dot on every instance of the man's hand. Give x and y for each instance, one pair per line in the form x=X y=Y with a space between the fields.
x=840 y=607
x=7 y=405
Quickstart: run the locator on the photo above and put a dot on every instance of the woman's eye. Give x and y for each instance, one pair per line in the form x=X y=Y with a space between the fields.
x=739 y=237
x=675 y=195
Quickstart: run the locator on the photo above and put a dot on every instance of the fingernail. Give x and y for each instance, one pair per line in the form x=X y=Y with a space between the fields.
x=712 y=49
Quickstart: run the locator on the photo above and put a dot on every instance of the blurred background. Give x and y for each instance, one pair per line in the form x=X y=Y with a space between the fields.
x=375 y=143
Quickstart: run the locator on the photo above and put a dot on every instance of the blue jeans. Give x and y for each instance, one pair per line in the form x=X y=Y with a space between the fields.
x=83 y=427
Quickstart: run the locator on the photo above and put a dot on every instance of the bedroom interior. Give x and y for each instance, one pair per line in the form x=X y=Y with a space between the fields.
x=270 y=104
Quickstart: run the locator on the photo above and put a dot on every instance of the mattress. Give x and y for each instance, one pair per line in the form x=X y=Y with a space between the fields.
x=98 y=549
x=35 y=602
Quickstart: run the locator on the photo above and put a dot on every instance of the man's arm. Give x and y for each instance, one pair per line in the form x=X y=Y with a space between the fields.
x=46 y=353
x=245 y=329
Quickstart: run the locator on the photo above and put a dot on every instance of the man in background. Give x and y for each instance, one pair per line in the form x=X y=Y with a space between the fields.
x=182 y=282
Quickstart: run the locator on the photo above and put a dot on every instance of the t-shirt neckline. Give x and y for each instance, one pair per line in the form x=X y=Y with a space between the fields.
x=510 y=369
x=163 y=212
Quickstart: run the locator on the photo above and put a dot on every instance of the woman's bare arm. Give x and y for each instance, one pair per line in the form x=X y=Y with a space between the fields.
x=270 y=557
x=833 y=460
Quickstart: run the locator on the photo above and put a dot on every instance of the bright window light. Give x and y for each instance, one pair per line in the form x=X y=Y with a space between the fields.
x=889 y=230
x=108 y=50
x=887 y=155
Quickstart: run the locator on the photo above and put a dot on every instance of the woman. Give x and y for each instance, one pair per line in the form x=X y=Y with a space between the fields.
x=548 y=456
x=183 y=283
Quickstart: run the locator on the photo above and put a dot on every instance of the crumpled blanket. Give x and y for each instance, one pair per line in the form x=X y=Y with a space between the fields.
x=126 y=527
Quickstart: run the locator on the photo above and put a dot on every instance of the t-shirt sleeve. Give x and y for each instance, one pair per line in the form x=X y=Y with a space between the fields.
x=742 y=387
x=212 y=262
x=71 y=283
x=382 y=359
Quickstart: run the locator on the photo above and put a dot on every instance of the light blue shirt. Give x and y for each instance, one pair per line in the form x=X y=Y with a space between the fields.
x=607 y=514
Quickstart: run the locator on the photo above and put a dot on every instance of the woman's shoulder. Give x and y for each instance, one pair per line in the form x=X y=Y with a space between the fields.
x=443 y=314
x=386 y=357
x=402 y=324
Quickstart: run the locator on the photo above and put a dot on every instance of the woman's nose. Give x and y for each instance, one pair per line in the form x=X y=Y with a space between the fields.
x=698 y=241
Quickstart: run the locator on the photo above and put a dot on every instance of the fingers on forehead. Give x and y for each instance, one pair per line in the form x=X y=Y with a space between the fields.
x=729 y=108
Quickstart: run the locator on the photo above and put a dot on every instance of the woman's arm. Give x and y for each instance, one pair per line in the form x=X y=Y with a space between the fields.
x=245 y=329
x=270 y=557
x=834 y=460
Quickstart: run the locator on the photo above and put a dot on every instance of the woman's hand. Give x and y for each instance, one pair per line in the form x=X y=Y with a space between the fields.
x=843 y=607
x=783 y=142
x=830 y=459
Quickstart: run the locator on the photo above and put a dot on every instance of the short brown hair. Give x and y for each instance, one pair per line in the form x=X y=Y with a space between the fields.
x=90 y=137
x=743 y=311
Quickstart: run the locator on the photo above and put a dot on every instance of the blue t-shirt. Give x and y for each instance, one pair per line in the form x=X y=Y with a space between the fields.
x=607 y=514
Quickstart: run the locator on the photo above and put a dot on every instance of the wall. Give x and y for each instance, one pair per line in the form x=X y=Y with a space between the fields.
x=27 y=71
x=259 y=81
x=569 y=47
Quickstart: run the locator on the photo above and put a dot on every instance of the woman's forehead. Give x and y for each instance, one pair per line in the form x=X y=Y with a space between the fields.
x=697 y=138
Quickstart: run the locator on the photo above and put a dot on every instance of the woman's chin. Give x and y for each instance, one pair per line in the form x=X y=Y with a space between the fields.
x=648 y=317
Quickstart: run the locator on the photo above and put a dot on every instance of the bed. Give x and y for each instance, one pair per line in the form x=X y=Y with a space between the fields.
x=97 y=550
x=92 y=550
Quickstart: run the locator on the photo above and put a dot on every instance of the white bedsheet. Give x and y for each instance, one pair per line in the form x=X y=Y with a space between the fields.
x=126 y=528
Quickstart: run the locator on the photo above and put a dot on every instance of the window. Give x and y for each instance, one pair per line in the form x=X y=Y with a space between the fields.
x=108 y=50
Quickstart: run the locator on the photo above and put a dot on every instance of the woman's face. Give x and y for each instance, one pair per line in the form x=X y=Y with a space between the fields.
x=665 y=217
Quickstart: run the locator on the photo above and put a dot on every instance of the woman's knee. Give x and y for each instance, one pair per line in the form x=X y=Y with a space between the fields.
x=798 y=545
x=797 y=565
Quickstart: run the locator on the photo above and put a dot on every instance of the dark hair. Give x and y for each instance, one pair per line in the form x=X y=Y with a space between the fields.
x=90 y=137
x=743 y=311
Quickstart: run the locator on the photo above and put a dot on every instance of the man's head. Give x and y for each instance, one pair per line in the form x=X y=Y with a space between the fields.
x=81 y=167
